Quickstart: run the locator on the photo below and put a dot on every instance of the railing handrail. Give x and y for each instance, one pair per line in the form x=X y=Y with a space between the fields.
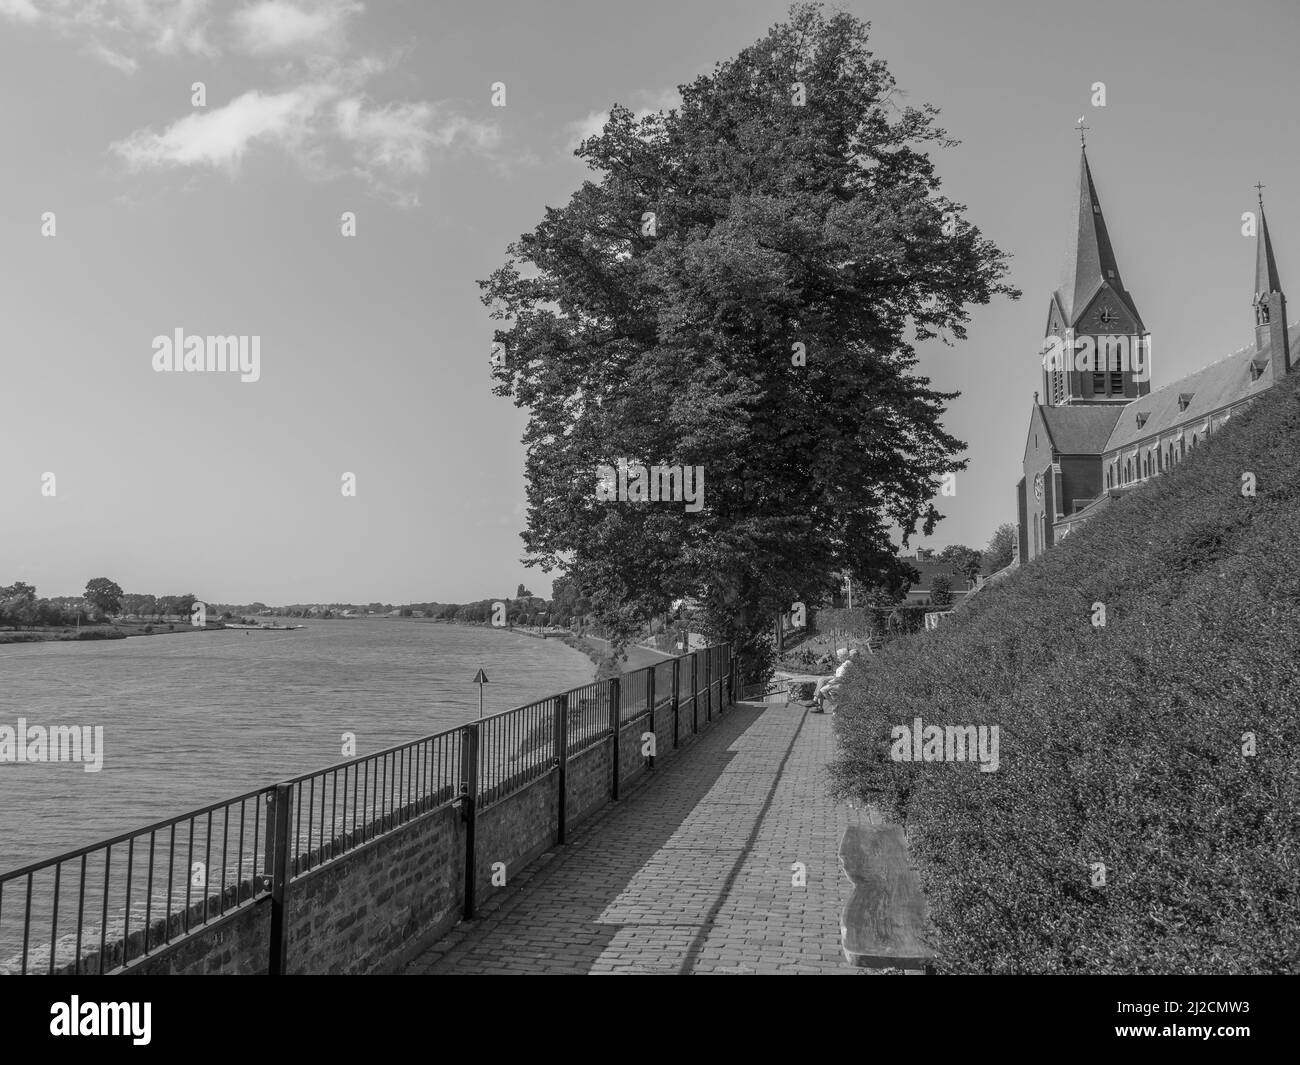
x=134 y=833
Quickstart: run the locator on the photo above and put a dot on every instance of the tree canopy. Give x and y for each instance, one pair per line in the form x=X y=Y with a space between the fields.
x=1001 y=549
x=738 y=291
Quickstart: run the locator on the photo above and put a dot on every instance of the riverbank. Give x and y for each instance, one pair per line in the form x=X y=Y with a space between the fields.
x=110 y=631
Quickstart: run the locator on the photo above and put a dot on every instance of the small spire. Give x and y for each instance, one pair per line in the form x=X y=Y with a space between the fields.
x=1266 y=279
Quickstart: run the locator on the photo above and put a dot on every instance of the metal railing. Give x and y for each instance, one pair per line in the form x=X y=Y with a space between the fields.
x=135 y=892
x=138 y=891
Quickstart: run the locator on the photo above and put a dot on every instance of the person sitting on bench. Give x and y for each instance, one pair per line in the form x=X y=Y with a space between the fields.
x=832 y=687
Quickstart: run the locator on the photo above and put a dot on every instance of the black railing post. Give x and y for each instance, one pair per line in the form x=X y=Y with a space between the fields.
x=281 y=850
x=614 y=732
x=695 y=692
x=469 y=809
x=562 y=763
x=708 y=683
x=650 y=704
x=677 y=697
x=268 y=843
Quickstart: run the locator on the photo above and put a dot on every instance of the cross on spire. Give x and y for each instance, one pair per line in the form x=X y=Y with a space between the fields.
x=1259 y=189
x=1082 y=128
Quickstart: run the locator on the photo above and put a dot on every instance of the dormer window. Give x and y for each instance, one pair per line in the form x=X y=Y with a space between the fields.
x=1184 y=400
x=1096 y=208
x=1257 y=369
x=1142 y=418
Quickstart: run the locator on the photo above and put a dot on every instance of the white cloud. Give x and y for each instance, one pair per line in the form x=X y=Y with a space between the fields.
x=272 y=27
x=657 y=100
x=221 y=137
x=169 y=27
x=385 y=146
x=593 y=122
x=590 y=126
x=21 y=10
x=392 y=143
x=124 y=63
x=319 y=111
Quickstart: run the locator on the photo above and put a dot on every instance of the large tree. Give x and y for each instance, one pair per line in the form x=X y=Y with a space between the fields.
x=941 y=591
x=738 y=291
x=104 y=595
x=966 y=559
x=1001 y=549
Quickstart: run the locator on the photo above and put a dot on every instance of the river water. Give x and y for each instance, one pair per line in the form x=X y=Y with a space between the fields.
x=192 y=719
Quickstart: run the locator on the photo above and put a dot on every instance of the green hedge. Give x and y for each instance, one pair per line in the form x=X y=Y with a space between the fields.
x=1121 y=743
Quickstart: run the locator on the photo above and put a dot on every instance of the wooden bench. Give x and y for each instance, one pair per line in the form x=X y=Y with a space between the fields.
x=883 y=925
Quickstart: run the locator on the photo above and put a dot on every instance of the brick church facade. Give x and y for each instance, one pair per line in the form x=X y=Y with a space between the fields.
x=1103 y=430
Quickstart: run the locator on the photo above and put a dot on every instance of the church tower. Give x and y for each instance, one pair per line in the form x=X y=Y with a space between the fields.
x=1096 y=348
x=1272 y=345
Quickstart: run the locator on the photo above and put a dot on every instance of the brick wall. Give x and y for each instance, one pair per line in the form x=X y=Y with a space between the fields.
x=375 y=907
x=515 y=831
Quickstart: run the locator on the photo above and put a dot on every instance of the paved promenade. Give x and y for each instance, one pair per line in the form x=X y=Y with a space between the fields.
x=689 y=873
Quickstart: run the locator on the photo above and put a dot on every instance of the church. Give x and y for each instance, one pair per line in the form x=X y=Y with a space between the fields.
x=1099 y=428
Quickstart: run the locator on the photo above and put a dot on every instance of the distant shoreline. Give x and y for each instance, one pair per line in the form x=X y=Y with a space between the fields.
x=97 y=632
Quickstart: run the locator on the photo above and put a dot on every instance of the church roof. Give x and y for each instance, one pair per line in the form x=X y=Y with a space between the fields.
x=1090 y=261
x=1082 y=429
x=1217 y=385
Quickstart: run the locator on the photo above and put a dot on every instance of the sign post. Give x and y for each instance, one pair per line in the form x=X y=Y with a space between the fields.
x=480 y=678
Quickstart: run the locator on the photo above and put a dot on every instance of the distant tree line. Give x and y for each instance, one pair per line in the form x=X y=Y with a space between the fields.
x=20 y=607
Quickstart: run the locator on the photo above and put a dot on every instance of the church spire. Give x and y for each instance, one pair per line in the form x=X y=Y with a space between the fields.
x=1266 y=279
x=1096 y=348
x=1272 y=341
x=1090 y=262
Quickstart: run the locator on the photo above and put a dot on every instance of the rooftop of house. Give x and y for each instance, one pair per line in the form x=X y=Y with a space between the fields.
x=929 y=568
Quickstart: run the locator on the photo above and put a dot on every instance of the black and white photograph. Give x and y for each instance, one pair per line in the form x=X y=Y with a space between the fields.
x=712 y=487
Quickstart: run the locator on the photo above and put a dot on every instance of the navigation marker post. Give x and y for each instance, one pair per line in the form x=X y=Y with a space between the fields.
x=480 y=678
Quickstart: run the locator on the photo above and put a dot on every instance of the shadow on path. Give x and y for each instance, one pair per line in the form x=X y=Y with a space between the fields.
x=641 y=883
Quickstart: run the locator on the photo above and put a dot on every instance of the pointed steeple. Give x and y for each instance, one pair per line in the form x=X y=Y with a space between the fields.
x=1272 y=339
x=1096 y=349
x=1090 y=261
x=1266 y=279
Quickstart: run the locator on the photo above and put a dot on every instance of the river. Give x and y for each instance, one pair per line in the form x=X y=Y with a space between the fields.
x=191 y=719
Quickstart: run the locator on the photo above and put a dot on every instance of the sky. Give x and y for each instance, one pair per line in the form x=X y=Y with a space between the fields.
x=226 y=219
